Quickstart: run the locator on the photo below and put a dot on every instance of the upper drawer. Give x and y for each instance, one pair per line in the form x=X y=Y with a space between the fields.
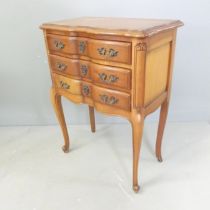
x=96 y=49
x=110 y=51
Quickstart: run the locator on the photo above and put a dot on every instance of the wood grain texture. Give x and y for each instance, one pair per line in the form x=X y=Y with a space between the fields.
x=115 y=26
x=156 y=72
x=117 y=66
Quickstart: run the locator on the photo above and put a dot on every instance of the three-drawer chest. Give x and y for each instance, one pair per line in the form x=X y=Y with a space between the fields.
x=118 y=66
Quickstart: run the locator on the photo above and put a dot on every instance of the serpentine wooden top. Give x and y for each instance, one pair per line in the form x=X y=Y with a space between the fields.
x=131 y=27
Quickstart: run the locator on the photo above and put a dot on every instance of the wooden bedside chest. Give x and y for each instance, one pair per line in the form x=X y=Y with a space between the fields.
x=119 y=66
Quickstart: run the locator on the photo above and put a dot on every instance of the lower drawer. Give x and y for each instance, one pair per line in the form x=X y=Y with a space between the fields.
x=70 y=85
x=111 y=98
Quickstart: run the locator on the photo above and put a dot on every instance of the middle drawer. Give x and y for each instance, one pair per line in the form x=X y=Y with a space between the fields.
x=107 y=76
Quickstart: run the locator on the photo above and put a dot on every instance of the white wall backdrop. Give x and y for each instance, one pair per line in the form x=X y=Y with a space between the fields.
x=24 y=73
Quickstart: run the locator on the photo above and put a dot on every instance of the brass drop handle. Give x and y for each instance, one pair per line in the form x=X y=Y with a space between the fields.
x=59 y=45
x=109 y=53
x=108 y=100
x=61 y=66
x=84 y=69
x=112 y=53
x=64 y=85
x=108 y=79
x=102 y=51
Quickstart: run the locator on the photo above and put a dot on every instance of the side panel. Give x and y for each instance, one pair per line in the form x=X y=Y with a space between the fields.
x=156 y=72
x=152 y=68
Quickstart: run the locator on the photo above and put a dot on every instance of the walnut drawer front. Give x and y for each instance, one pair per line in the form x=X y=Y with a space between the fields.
x=70 y=67
x=108 y=76
x=110 y=51
x=111 y=98
x=97 y=49
x=64 y=65
x=70 y=85
x=111 y=77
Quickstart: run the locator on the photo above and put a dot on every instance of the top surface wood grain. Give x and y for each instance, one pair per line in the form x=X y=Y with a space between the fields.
x=114 y=26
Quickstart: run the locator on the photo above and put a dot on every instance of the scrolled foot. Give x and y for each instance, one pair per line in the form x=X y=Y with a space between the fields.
x=65 y=149
x=93 y=130
x=160 y=159
x=136 y=188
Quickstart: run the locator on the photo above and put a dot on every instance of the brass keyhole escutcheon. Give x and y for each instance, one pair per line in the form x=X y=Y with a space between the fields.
x=82 y=46
x=86 y=90
x=84 y=69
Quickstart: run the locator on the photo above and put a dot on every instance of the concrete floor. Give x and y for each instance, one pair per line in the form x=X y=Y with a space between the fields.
x=96 y=175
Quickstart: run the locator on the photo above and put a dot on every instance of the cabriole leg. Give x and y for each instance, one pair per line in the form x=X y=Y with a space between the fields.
x=137 y=122
x=161 y=126
x=92 y=118
x=56 y=102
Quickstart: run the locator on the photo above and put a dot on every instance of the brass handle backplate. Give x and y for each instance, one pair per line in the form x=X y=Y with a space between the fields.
x=64 y=85
x=108 y=100
x=59 y=45
x=109 y=53
x=112 y=53
x=84 y=70
x=61 y=66
x=102 y=51
x=108 y=79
